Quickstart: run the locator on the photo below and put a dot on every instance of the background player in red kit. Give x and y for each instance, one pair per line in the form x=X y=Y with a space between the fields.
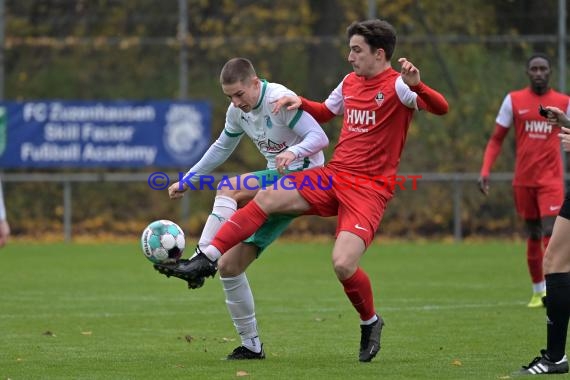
x=377 y=103
x=538 y=184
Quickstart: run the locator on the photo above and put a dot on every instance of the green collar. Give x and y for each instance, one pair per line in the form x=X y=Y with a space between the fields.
x=263 y=88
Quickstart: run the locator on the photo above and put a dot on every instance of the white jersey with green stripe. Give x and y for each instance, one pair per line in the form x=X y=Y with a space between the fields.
x=274 y=133
x=292 y=130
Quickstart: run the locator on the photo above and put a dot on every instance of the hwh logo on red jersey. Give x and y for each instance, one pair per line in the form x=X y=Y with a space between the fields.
x=362 y=117
x=535 y=126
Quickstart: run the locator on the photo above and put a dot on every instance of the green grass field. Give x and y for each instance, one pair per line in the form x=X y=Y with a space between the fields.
x=86 y=311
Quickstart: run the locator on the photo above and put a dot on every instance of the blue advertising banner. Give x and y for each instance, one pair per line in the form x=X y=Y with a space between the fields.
x=82 y=134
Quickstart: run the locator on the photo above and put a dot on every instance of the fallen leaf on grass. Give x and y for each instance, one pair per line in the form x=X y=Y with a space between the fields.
x=86 y=332
x=189 y=338
x=457 y=363
x=241 y=374
x=48 y=333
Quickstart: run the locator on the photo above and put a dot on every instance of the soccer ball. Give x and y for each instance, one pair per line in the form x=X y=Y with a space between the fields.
x=163 y=242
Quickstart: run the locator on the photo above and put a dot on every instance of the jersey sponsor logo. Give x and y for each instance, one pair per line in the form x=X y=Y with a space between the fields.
x=554 y=208
x=358 y=129
x=523 y=111
x=379 y=98
x=245 y=119
x=535 y=128
x=362 y=117
x=359 y=227
x=271 y=146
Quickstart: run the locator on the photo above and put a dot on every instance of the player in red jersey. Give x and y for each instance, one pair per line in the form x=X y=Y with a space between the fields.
x=538 y=183
x=377 y=103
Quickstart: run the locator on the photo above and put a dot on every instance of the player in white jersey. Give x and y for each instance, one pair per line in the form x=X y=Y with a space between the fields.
x=294 y=132
x=290 y=139
x=275 y=133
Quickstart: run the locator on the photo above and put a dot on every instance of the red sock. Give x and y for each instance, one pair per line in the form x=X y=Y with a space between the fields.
x=534 y=260
x=239 y=227
x=359 y=291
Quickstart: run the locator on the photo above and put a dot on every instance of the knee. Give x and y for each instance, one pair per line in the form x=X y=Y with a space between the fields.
x=238 y=195
x=281 y=201
x=228 y=268
x=263 y=199
x=555 y=260
x=343 y=268
x=230 y=193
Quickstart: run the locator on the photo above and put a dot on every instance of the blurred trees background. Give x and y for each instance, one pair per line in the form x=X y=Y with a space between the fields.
x=473 y=51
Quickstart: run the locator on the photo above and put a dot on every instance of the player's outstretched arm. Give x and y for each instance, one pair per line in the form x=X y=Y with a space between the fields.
x=216 y=155
x=316 y=109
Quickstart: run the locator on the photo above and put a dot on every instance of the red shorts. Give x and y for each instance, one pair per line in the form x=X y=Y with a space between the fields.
x=359 y=208
x=534 y=203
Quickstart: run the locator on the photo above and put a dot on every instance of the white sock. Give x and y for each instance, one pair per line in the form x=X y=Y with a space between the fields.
x=212 y=253
x=539 y=287
x=224 y=207
x=239 y=300
x=370 y=321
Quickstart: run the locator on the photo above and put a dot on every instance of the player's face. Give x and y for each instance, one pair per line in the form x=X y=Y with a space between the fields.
x=363 y=58
x=538 y=72
x=243 y=95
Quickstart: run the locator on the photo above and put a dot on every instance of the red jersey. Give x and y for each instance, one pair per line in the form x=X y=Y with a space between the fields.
x=377 y=115
x=538 y=155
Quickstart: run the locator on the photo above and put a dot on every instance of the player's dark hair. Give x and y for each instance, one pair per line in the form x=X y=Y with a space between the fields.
x=538 y=55
x=379 y=34
x=237 y=70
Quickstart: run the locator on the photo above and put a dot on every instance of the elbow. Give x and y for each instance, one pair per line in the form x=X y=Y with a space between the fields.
x=443 y=109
